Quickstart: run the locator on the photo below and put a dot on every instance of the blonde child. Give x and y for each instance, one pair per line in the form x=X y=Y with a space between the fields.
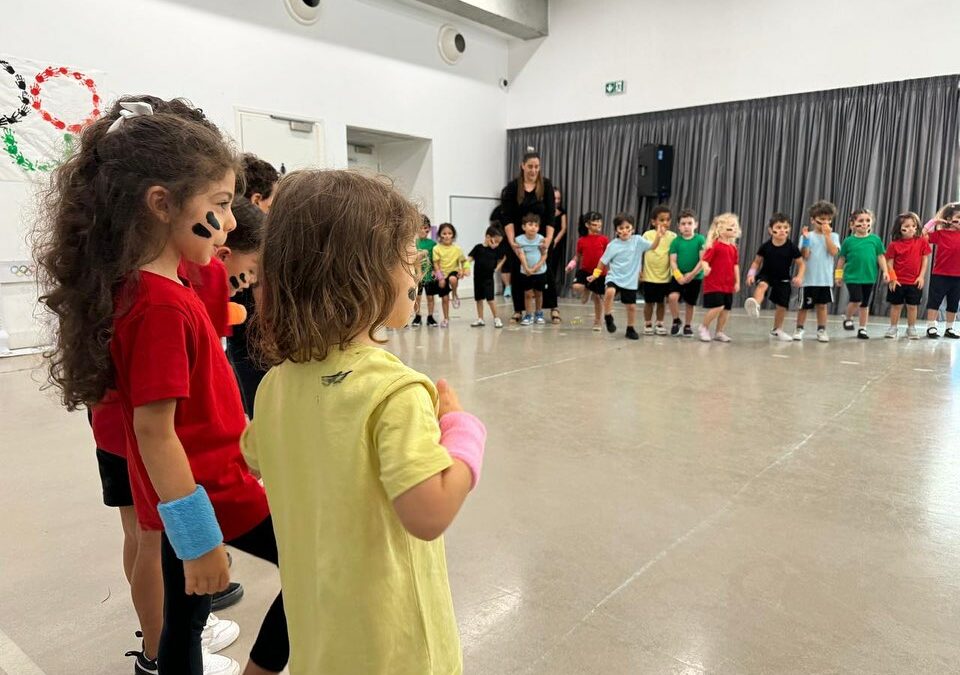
x=861 y=255
x=908 y=258
x=590 y=247
x=770 y=270
x=819 y=247
x=723 y=281
x=449 y=266
x=943 y=231
x=686 y=251
x=485 y=260
x=365 y=461
x=533 y=269
x=656 y=273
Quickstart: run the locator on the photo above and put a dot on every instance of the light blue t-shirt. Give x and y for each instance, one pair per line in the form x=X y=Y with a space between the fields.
x=624 y=260
x=531 y=250
x=820 y=263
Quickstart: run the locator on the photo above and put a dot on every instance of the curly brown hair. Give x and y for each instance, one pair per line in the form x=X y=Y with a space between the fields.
x=333 y=241
x=95 y=228
x=258 y=177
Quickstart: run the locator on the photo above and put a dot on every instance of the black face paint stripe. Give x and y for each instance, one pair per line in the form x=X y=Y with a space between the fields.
x=234 y=282
x=212 y=219
x=201 y=231
x=412 y=293
x=243 y=277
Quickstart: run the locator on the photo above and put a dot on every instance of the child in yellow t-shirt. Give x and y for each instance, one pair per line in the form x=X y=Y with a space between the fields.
x=364 y=460
x=656 y=272
x=449 y=265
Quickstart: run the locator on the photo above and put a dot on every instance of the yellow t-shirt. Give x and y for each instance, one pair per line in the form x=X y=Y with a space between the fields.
x=335 y=441
x=656 y=262
x=450 y=258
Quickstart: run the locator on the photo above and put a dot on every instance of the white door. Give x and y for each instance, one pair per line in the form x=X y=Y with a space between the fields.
x=287 y=142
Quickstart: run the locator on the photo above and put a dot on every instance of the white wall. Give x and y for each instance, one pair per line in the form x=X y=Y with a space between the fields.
x=692 y=52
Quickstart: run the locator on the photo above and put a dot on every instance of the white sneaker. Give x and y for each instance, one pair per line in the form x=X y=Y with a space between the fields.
x=526 y=320
x=783 y=336
x=798 y=334
x=478 y=324
x=648 y=330
x=660 y=329
x=912 y=333
x=218 y=634
x=497 y=323
x=822 y=335
x=753 y=308
x=891 y=333
x=721 y=337
x=597 y=327
x=214 y=664
x=705 y=334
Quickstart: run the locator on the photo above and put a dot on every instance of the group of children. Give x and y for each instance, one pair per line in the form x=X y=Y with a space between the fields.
x=365 y=462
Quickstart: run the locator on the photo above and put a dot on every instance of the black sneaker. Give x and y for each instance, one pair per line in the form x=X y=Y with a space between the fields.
x=675 y=328
x=862 y=334
x=687 y=331
x=611 y=326
x=431 y=322
x=228 y=597
x=417 y=322
x=631 y=333
x=950 y=334
x=143 y=665
x=848 y=324
x=932 y=332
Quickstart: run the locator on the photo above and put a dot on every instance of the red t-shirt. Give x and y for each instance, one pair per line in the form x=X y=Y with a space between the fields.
x=946 y=260
x=907 y=257
x=722 y=258
x=107 y=423
x=164 y=347
x=210 y=283
x=590 y=249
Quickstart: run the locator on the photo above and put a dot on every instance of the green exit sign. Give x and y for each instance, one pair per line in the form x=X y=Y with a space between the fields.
x=613 y=88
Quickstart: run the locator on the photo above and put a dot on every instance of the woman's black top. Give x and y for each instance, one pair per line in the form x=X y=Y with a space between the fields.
x=513 y=212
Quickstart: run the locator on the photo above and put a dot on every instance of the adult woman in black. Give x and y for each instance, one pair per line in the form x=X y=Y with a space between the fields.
x=530 y=192
x=556 y=262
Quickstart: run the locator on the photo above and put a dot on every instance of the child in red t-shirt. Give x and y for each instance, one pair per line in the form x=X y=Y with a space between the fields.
x=723 y=279
x=168 y=181
x=943 y=231
x=908 y=256
x=590 y=248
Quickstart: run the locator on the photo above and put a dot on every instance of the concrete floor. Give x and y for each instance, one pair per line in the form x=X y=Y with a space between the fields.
x=664 y=506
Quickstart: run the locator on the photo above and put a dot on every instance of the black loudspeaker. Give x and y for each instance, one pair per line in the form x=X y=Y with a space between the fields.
x=655 y=176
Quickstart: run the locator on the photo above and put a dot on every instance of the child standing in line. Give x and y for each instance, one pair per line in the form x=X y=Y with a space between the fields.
x=770 y=270
x=533 y=269
x=861 y=254
x=365 y=461
x=943 y=231
x=623 y=260
x=449 y=264
x=427 y=283
x=819 y=248
x=590 y=247
x=162 y=179
x=485 y=260
x=656 y=273
x=908 y=256
x=686 y=251
x=723 y=280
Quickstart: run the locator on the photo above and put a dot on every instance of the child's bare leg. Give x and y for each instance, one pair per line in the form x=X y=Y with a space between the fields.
x=608 y=300
x=851 y=310
x=647 y=313
x=597 y=308
x=480 y=309
x=446 y=307
x=505 y=278
x=895 y=315
x=493 y=308
x=661 y=312
x=454 y=282
x=674 y=305
x=688 y=314
x=430 y=304
x=801 y=317
x=864 y=316
x=529 y=301
x=631 y=316
x=761 y=291
x=711 y=314
x=911 y=315
x=779 y=314
x=416 y=305
x=722 y=320
x=146 y=590
x=538 y=299
x=821 y=316
x=579 y=290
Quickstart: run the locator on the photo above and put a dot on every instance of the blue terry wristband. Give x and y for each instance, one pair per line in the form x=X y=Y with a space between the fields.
x=804 y=242
x=191 y=525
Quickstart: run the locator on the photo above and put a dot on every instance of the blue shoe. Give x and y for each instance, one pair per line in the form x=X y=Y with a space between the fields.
x=526 y=320
x=538 y=319
x=506 y=291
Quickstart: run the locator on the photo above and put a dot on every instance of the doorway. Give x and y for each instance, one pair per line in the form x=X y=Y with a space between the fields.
x=288 y=142
x=408 y=160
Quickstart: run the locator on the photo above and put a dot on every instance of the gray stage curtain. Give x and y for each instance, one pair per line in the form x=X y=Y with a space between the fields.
x=889 y=147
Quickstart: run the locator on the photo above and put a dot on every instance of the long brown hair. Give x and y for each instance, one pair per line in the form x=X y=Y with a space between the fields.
x=528 y=155
x=95 y=229
x=333 y=241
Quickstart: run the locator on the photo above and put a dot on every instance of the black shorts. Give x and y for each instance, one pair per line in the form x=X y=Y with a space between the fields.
x=860 y=293
x=655 y=293
x=445 y=290
x=534 y=282
x=628 y=296
x=780 y=291
x=689 y=292
x=904 y=295
x=430 y=288
x=942 y=286
x=114 y=479
x=483 y=289
x=595 y=286
x=816 y=295
x=714 y=300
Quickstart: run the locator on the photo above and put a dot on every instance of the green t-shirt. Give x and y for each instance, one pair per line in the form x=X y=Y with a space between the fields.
x=688 y=252
x=860 y=254
x=427 y=245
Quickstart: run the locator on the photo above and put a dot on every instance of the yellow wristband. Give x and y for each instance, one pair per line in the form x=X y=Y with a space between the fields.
x=677 y=274
x=598 y=272
x=838 y=274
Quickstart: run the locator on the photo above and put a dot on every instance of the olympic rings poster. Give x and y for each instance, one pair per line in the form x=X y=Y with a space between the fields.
x=43 y=109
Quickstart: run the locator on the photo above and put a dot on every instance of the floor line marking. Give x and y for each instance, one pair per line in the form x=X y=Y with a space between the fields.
x=537 y=366
x=14 y=660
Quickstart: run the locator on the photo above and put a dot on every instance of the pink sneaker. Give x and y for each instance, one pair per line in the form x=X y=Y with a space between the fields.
x=444 y=323
x=705 y=334
x=722 y=337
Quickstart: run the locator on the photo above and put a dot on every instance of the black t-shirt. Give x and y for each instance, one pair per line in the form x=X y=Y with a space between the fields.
x=513 y=212
x=238 y=337
x=777 y=260
x=484 y=261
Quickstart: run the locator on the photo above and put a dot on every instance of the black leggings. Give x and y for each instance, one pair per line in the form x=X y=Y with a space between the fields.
x=248 y=376
x=184 y=616
x=942 y=286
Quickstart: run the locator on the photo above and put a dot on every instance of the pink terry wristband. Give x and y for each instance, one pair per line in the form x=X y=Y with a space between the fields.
x=930 y=226
x=464 y=436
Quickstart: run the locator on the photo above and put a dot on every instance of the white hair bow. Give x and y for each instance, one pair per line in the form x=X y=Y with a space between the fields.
x=130 y=109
